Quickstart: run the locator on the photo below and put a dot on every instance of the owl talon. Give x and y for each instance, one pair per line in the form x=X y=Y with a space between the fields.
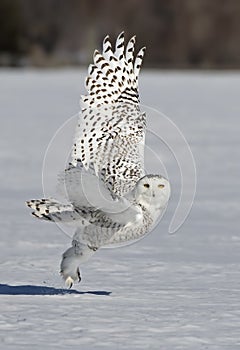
x=78 y=274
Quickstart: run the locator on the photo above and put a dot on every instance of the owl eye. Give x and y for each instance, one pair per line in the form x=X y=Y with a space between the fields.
x=161 y=186
x=146 y=185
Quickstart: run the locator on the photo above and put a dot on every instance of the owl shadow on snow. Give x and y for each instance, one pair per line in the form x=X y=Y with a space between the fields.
x=6 y=289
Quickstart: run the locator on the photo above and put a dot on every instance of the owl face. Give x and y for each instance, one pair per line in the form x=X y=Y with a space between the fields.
x=153 y=190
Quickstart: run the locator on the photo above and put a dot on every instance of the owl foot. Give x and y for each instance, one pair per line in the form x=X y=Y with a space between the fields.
x=69 y=280
x=71 y=259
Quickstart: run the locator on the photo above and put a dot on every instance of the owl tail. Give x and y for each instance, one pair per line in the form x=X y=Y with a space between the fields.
x=52 y=210
x=114 y=74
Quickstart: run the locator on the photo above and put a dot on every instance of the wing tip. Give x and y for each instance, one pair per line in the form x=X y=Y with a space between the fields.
x=113 y=69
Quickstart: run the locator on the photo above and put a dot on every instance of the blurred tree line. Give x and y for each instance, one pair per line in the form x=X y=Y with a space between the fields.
x=177 y=33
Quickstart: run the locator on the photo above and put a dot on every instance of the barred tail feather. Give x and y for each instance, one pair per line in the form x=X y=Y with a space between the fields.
x=52 y=210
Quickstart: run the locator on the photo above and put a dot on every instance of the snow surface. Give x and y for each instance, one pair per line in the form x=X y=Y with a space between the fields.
x=167 y=292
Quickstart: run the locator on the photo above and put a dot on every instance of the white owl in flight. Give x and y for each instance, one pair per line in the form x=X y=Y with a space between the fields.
x=110 y=200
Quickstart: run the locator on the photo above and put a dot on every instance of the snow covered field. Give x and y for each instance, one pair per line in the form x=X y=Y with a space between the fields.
x=166 y=292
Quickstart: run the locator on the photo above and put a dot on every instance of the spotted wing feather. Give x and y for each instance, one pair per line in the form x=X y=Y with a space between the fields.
x=111 y=129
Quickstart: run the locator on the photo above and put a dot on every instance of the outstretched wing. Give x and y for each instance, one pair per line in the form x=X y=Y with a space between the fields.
x=111 y=130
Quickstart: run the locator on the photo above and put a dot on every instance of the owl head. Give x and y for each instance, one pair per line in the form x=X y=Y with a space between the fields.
x=153 y=190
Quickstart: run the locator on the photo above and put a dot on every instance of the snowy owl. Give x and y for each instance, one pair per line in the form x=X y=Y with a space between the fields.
x=109 y=199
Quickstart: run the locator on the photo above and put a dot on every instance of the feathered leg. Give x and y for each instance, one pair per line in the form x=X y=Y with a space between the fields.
x=71 y=259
